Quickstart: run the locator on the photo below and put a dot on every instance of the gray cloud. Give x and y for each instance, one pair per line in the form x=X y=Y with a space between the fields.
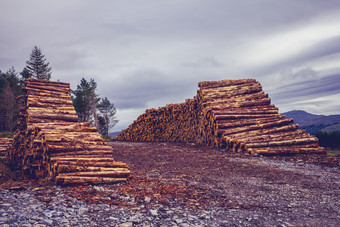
x=204 y=62
x=138 y=89
x=328 y=85
x=320 y=49
x=326 y=47
x=147 y=55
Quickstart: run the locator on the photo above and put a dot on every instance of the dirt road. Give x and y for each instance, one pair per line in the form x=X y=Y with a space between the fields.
x=178 y=184
x=261 y=190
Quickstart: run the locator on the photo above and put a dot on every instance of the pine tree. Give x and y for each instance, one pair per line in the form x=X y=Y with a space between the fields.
x=85 y=101
x=37 y=66
x=25 y=74
x=9 y=109
x=107 y=118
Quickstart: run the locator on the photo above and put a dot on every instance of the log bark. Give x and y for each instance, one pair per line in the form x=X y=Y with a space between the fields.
x=72 y=158
x=241 y=135
x=66 y=180
x=252 y=111
x=57 y=127
x=47 y=88
x=88 y=163
x=70 y=146
x=50 y=105
x=284 y=142
x=99 y=153
x=261 y=102
x=72 y=136
x=237 y=99
x=297 y=134
x=224 y=83
x=239 y=122
x=50 y=100
x=249 y=128
x=78 y=168
x=245 y=116
x=115 y=173
x=52 y=111
x=49 y=116
x=46 y=82
x=287 y=150
x=230 y=92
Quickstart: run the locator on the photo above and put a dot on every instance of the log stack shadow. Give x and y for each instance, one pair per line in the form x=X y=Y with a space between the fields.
x=232 y=114
x=51 y=144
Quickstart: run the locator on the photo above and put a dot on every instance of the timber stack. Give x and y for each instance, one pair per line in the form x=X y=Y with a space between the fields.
x=51 y=144
x=174 y=122
x=232 y=114
x=5 y=144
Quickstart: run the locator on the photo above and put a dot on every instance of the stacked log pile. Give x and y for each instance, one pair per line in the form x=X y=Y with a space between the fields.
x=242 y=118
x=51 y=144
x=174 y=122
x=5 y=144
x=232 y=114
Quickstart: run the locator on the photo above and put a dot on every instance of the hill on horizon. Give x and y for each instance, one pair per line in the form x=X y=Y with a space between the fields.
x=114 y=134
x=313 y=123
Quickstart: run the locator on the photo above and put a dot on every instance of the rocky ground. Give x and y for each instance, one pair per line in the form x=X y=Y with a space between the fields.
x=175 y=184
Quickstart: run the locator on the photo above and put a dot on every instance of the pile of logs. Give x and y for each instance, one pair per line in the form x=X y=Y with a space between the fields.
x=232 y=114
x=174 y=122
x=5 y=144
x=51 y=144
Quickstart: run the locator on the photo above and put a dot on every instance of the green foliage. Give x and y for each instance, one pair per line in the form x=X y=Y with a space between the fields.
x=25 y=74
x=106 y=137
x=102 y=125
x=10 y=88
x=11 y=79
x=37 y=66
x=8 y=135
x=85 y=100
x=11 y=84
x=333 y=154
x=107 y=118
x=86 y=103
x=328 y=139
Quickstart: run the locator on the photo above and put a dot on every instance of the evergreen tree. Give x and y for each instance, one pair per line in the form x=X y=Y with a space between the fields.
x=85 y=101
x=107 y=118
x=25 y=74
x=329 y=139
x=101 y=125
x=9 y=109
x=12 y=78
x=37 y=66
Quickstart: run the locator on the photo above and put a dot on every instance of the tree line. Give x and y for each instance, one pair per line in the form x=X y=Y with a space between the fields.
x=329 y=139
x=87 y=102
x=91 y=108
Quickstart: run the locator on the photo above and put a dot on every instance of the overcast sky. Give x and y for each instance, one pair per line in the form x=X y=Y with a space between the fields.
x=149 y=53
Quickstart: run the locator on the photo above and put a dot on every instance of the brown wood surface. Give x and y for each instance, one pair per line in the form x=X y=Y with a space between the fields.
x=50 y=143
x=229 y=114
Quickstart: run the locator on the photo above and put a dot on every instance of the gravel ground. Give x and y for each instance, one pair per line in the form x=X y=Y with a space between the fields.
x=176 y=184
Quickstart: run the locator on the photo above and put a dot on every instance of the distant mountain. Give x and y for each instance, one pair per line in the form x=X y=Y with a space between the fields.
x=313 y=123
x=114 y=134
